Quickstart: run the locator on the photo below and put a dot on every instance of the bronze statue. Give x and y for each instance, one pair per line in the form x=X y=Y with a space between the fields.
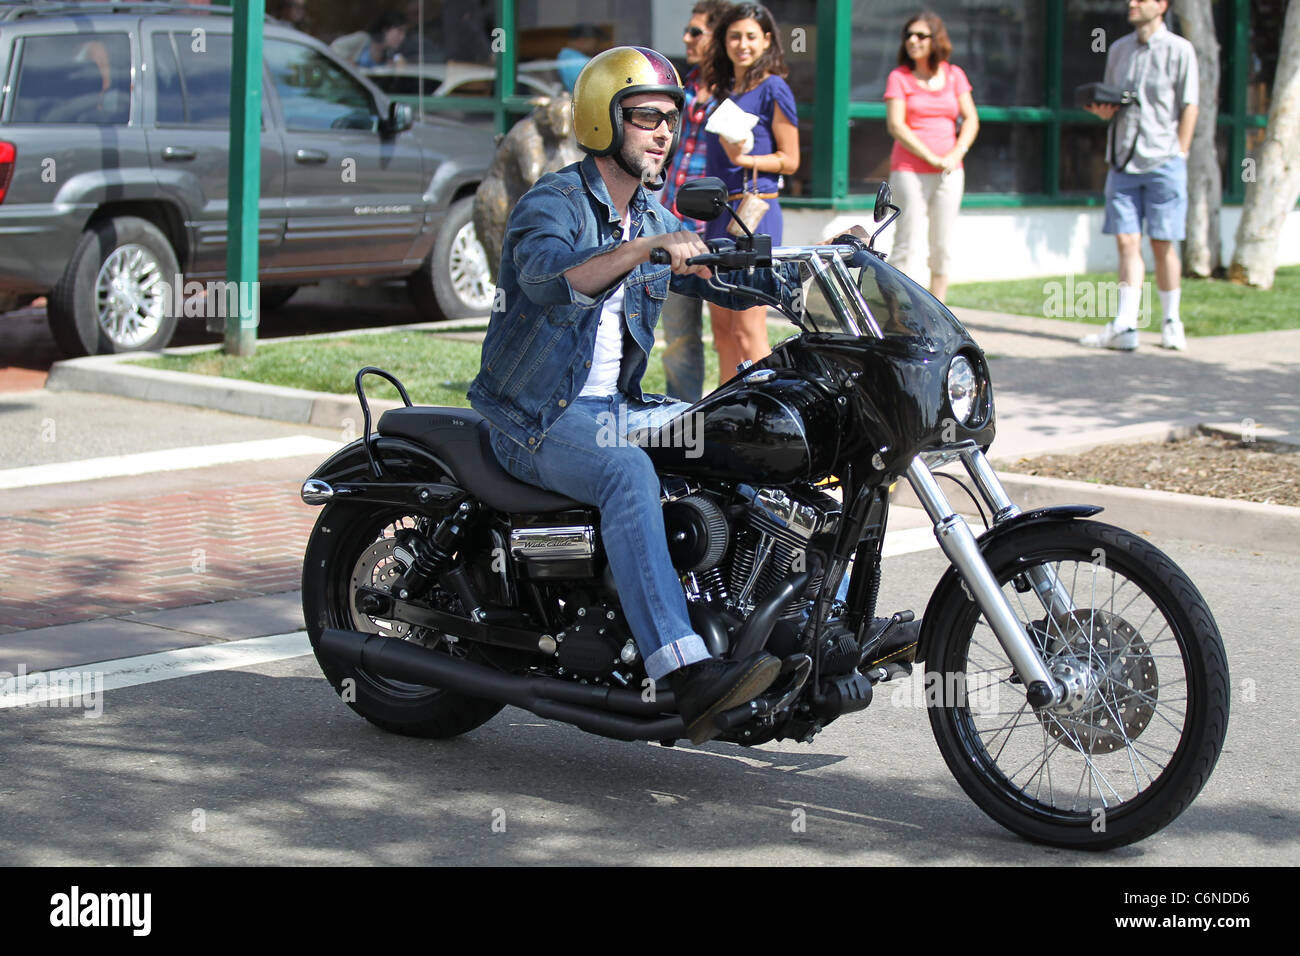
x=540 y=143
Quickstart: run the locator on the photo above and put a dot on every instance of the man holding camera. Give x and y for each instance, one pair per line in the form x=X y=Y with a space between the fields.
x=1147 y=149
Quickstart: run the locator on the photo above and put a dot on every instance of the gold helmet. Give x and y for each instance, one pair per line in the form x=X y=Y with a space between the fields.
x=603 y=83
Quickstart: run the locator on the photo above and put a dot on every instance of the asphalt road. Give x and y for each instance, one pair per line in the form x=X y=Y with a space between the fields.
x=264 y=765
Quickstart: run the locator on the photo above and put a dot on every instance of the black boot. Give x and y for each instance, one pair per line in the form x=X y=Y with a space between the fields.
x=707 y=688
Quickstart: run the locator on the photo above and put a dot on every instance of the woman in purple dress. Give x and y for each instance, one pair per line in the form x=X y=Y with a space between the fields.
x=746 y=63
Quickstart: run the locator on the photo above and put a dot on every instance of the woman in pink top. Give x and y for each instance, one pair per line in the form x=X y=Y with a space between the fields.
x=924 y=98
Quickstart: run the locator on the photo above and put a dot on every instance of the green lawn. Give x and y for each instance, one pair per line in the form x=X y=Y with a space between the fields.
x=1209 y=306
x=436 y=370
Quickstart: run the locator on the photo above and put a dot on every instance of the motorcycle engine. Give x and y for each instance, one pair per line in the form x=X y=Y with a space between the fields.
x=735 y=564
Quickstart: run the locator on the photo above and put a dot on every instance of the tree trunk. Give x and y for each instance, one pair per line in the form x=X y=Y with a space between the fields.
x=1272 y=191
x=1201 y=253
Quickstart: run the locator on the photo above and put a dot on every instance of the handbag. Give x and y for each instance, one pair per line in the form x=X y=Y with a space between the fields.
x=1104 y=93
x=753 y=207
x=1107 y=93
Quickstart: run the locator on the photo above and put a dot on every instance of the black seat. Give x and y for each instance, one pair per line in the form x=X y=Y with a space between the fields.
x=460 y=439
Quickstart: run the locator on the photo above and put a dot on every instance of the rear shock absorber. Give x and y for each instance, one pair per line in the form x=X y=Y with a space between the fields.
x=426 y=558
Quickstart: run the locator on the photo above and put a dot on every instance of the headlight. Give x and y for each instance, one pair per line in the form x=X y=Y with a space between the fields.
x=962 y=389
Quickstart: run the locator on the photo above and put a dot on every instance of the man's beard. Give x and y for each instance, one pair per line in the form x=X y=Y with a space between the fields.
x=643 y=167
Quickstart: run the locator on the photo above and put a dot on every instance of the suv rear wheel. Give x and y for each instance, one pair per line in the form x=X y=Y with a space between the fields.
x=454 y=282
x=115 y=294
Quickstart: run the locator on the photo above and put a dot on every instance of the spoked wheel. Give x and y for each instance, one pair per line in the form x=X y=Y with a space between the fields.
x=353 y=547
x=1135 y=740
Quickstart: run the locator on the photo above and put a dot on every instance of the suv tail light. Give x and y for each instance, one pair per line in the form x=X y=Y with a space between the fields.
x=6 y=167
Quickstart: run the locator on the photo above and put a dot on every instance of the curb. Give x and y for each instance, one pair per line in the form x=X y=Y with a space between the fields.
x=1247 y=525
x=116 y=375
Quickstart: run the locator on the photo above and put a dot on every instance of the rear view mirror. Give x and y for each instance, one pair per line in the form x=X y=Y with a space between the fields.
x=884 y=199
x=400 y=118
x=702 y=199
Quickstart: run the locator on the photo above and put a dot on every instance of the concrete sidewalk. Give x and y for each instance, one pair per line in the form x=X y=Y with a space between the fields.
x=1051 y=395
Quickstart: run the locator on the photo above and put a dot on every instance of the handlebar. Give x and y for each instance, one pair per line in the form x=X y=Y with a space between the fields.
x=724 y=255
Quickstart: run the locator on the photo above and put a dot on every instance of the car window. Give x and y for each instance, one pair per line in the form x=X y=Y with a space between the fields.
x=204 y=77
x=170 y=97
x=315 y=93
x=72 y=78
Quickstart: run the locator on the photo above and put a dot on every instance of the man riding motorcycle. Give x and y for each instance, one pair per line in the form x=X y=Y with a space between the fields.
x=568 y=344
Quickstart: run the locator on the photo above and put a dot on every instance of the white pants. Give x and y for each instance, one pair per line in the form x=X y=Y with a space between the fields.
x=928 y=201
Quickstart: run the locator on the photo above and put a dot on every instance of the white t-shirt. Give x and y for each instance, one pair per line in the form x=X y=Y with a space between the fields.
x=607 y=361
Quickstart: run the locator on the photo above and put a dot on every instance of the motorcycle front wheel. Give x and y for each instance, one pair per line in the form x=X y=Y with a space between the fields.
x=1137 y=739
x=352 y=546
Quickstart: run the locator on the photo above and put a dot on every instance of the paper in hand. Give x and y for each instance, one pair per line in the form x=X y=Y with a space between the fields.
x=732 y=123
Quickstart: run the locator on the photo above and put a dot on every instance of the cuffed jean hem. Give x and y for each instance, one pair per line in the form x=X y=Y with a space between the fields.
x=681 y=652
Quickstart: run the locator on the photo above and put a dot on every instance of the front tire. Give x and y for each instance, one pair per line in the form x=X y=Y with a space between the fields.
x=1130 y=752
x=351 y=546
x=116 y=292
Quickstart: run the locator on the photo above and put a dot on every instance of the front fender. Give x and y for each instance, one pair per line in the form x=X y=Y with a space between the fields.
x=949 y=587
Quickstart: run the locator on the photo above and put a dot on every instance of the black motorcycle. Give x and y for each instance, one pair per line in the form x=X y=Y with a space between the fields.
x=1075 y=679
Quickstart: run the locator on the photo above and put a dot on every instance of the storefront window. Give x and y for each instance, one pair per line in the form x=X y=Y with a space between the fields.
x=999 y=43
x=1266 y=18
x=1006 y=158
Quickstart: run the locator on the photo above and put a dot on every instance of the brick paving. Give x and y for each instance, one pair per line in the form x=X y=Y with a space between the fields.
x=73 y=564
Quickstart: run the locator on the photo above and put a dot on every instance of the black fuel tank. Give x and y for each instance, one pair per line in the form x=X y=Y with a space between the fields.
x=770 y=426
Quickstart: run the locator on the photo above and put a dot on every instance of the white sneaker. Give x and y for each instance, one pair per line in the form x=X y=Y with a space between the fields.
x=1171 y=336
x=1112 y=337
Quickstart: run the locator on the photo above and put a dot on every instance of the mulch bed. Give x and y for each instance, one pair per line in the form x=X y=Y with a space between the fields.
x=1263 y=471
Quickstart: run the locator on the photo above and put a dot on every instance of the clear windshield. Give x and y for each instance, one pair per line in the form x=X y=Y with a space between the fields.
x=901 y=308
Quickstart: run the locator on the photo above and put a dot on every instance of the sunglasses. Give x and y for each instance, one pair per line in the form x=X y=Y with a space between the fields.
x=649 y=118
x=919 y=36
x=693 y=32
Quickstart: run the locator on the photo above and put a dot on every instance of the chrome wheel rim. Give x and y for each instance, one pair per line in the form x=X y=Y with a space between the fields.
x=1112 y=744
x=130 y=296
x=469 y=270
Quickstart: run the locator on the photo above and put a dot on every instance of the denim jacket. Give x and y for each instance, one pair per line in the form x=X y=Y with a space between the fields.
x=539 y=345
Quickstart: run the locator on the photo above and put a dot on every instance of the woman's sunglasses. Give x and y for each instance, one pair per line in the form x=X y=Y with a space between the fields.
x=649 y=118
x=919 y=36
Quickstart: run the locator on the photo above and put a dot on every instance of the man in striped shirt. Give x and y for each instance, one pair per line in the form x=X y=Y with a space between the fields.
x=682 y=316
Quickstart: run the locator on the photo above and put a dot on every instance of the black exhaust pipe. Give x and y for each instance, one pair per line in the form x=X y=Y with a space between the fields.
x=610 y=712
x=754 y=635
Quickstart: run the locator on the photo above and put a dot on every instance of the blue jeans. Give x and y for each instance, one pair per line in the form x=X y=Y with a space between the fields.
x=682 y=320
x=583 y=457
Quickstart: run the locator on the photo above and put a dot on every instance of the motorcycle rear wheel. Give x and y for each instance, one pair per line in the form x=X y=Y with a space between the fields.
x=350 y=547
x=1135 y=747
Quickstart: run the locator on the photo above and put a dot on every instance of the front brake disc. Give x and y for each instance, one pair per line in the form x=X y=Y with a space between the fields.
x=1125 y=688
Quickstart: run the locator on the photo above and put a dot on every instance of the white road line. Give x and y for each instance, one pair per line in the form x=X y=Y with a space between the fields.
x=170 y=459
x=22 y=690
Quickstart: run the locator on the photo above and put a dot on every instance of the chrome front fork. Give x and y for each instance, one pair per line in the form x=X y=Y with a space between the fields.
x=958 y=543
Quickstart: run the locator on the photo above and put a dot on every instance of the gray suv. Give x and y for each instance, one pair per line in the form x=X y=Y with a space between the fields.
x=114 y=155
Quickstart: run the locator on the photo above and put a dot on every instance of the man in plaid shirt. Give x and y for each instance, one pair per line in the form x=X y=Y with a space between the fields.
x=682 y=316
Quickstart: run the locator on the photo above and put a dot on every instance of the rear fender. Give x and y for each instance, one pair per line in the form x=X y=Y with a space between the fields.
x=413 y=477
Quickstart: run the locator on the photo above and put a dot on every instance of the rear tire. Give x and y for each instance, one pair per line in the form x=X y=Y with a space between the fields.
x=454 y=282
x=114 y=294
x=348 y=549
